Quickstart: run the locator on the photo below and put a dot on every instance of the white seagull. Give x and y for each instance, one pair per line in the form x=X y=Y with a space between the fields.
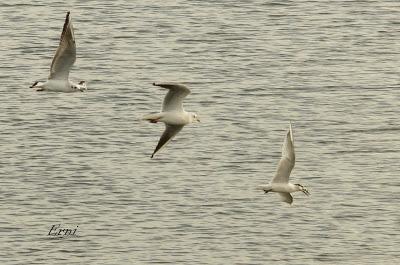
x=172 y=113
x=62 y=62
x=280 y=182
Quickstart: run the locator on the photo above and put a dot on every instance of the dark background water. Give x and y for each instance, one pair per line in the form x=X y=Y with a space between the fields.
x=83 y=159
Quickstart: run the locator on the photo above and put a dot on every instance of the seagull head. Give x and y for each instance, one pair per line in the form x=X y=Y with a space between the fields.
x=303 y=189
x=82 y=85
x=194 y=117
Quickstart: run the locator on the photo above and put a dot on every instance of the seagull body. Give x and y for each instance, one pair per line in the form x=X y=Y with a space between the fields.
x=62 y=62
x=171 y=117
x=172 y=113
x=280 y=182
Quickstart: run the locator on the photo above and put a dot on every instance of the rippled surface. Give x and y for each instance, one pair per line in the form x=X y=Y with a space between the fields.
x=83 y=159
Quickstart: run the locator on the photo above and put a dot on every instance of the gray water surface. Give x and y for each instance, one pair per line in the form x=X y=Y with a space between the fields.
x=83 y=159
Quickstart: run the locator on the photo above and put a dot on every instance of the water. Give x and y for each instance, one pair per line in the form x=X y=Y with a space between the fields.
x=83 y=159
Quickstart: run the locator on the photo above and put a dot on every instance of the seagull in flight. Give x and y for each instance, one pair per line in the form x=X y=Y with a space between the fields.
x=172 y=113
x=280 y=182
x=62 y=62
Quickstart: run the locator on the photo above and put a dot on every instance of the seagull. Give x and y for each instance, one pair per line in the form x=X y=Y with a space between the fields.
x=62 y=62
x=172 y=113
x=280 y=182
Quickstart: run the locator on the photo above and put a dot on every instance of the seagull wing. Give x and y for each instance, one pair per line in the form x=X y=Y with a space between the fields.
x=286 y=197
x=66 y=53
x=168 y=134
x=287 y=161
x=174 y=98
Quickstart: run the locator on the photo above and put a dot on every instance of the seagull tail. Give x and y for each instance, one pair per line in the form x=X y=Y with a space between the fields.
x=263 y=188
x=153 y=118
x=38 y=86
x=34 y=84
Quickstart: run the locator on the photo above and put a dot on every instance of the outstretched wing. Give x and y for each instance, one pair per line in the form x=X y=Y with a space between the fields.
x=286 y=197
x=287 y=161
x=66 y=52
x=173 y=101
x=168 y=134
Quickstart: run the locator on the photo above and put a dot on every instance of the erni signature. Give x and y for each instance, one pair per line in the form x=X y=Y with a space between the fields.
x=57 y=231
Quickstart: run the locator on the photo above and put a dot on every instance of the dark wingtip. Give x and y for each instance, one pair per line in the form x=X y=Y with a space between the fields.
x=34 y=84
x=65 y=26
x=67 y=16
x=152 y=155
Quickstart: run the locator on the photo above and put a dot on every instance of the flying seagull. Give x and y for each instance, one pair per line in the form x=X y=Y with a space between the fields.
x=62 y=62
x=280 y=182
x=172 y=113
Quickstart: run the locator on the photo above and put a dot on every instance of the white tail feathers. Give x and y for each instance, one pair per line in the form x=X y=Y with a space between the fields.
x=152 y=117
